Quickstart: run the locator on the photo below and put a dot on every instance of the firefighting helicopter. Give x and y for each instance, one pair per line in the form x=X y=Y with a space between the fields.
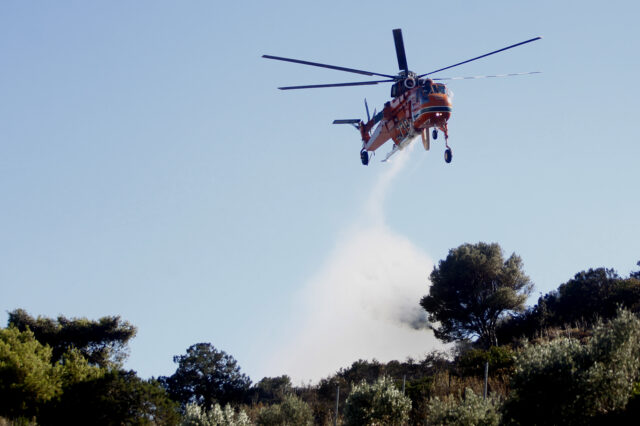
x=417 y=105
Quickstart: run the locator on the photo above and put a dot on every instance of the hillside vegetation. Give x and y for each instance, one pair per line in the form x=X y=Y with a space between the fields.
x=572 y=358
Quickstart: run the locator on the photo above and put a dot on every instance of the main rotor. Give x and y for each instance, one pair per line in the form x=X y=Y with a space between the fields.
x=410 y=77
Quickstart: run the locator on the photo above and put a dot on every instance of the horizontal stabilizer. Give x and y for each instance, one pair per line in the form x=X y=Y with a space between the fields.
x=347 y=121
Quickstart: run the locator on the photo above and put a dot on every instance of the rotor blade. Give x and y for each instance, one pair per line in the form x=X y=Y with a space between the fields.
x=487 y=76
x=319 y=86
x=483 y=56
x=333 y=67
x=402 y=57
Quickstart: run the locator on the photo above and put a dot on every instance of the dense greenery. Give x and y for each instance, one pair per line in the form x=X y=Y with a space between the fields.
x=102 y=342
x=472 y=289
x=573 y=358
x=206 y=376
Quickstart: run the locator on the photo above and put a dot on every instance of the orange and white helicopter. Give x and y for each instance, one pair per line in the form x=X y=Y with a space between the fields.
x=418 y=103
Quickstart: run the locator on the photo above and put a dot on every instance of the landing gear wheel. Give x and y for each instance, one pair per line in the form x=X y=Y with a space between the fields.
x=434 y=134
x=448 y=155
x=364 y=157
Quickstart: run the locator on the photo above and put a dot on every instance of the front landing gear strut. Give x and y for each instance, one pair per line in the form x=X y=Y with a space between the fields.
x=364 y=157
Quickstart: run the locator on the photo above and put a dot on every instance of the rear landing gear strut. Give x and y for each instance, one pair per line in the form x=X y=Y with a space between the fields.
x=448 y=154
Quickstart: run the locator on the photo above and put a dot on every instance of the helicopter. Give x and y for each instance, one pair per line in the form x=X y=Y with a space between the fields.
x=417 y=105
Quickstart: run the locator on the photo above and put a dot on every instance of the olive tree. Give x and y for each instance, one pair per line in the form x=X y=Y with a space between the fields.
x=472 y=289
x=378 y=403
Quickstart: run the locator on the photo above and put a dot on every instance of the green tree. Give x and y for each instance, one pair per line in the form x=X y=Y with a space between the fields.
x=292 y=411
x=116 y=397
x=587 y=297
x=472 y=289
x=102 y=342
x=567 y=382
x=206 y=376
x=378 y=403
x=27 y=377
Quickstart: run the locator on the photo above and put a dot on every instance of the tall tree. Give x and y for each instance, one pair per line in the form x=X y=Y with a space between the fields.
x=472 y=289
x=102 y=342
x=206 y=376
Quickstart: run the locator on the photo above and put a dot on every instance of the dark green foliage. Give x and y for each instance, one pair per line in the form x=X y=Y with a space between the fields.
x=27 y=378
x=292 y=411
x=472 y=289
x=118 y=397
x=102 y=342
x=206 y=376
x=592 y=294
x=270 y=390
x=501 y=361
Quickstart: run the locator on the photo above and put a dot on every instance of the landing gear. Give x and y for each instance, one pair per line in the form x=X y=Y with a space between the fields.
x=448 y=155
x=364 y=157
x=434 y=134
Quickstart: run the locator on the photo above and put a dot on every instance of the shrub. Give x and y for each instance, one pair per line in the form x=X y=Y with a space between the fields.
x=566 y=382
x=195 y=415
x=378 y=403
x=291 y=412
x=471 y=410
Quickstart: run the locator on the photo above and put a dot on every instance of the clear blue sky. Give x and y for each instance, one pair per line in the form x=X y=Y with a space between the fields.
x=149 y=167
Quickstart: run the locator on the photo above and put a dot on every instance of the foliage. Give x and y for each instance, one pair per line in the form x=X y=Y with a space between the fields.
x=377 y=403
x=116 y=397
x=291 y=412
x=472 y=289
x=566 y=382
x=206 y=376
x=501 y=361
x=589 y=295
x=102 y=342
x=195 y=415
x=471 y=410
x=270 y=390
x=27 y=377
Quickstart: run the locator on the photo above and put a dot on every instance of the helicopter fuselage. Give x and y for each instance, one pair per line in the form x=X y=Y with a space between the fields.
x=412 y=111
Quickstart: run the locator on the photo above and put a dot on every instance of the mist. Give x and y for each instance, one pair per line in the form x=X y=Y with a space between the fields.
x=363 y=302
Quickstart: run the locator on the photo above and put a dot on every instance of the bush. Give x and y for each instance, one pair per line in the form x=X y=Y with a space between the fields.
x=566 y=382
x=501 y=361
x=194 y=415
x=291 y=412
x=379 y=403
x=471 y=410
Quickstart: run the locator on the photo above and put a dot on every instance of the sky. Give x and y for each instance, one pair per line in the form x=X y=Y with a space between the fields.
x=150 y=168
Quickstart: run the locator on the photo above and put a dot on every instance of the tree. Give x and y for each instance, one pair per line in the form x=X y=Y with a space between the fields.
x=206 y=376
x=116 y=397
x=588 y=296
x=27 y=378
x=379 y=403
x=270 y=390
x=472 y=289
x=102 y=342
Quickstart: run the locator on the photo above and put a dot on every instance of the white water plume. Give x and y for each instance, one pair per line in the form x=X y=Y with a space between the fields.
x=363 y=302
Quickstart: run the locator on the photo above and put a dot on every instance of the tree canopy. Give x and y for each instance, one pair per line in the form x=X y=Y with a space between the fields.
x=472 y=289
x=102 y=342
x=205 y=376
